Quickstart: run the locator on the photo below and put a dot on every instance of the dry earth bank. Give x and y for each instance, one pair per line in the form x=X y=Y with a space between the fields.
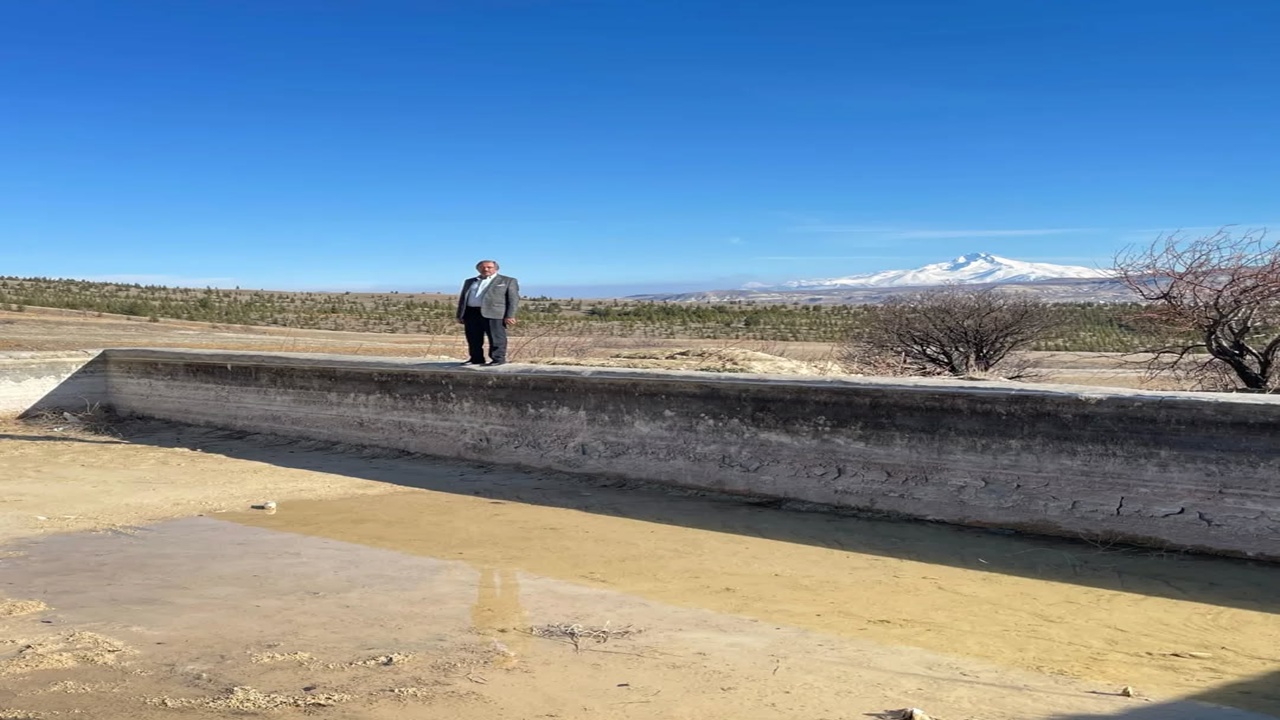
x=42 y=329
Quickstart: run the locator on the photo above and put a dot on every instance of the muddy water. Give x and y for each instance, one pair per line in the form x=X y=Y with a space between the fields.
x=1169 y=624
x=203 y=618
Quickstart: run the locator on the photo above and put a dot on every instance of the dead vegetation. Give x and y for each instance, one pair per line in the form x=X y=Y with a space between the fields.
x=576 y=633
x=94 y=419
x=951 y=331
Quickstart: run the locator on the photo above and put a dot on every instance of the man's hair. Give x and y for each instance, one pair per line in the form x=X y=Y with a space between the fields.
x=495 y=264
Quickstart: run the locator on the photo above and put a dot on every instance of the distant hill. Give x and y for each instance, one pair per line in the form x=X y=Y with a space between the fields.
x=1054 y=283
x=1057 y=291
x=972 y=268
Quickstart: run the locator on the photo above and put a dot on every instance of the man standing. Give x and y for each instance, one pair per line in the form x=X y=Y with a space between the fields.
x=486 y=308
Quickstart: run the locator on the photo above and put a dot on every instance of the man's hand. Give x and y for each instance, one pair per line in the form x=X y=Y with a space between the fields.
x=461 y=321
x=508 y=322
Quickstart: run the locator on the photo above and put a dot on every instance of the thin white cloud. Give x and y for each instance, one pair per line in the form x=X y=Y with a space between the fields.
x=1179 y=228
x=818 y=227
x=950 y=234
x=829 y=257
x=928 y=234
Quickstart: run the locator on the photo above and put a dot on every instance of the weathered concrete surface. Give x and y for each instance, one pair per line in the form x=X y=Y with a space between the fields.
x=39 y=380
x=1168 y=469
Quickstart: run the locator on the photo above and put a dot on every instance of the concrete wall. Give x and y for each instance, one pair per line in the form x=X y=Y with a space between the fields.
x=1168 y=469
x=38 y=380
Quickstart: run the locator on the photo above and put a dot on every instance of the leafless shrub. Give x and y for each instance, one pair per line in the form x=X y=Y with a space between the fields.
x=1216 y=299
x=955 y=331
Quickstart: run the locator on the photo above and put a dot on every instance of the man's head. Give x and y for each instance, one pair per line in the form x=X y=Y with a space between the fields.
x=487 y=268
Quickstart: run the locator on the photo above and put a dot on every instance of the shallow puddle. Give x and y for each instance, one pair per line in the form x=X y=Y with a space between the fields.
x=1169 y=624
x=629 y=619
x=436 y=589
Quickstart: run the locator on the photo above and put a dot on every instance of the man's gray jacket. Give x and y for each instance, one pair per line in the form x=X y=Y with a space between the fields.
x=499 y=301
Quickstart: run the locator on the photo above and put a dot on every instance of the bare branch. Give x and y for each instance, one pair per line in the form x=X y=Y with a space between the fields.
x=1216 y=300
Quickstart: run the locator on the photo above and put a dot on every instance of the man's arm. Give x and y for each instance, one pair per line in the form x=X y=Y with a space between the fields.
x=462 y=299
x=513 y=302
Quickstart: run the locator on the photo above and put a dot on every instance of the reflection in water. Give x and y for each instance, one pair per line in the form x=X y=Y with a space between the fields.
x=1168 y=624
x=498 y=614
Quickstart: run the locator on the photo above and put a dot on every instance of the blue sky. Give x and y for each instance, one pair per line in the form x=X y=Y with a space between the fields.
x=599 y=147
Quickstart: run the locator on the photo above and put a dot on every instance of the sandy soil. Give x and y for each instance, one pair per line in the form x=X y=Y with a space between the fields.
x=390 y=586
x=76 y=481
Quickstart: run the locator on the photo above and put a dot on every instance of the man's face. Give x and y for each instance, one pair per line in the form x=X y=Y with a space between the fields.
x=487 y=269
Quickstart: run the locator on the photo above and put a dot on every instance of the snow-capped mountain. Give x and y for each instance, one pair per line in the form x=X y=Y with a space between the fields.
x=966 y=269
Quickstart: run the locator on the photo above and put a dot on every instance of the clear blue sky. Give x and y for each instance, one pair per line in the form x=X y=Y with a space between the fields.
x=604 y=146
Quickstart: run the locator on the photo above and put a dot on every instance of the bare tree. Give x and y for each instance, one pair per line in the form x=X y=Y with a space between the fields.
x=1217 y=299
x=949 y=331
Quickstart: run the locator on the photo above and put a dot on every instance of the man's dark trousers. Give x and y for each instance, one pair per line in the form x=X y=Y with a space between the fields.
x=478 y=327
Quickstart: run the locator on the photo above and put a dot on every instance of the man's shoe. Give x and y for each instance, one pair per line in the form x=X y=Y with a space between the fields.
x=471 y=362
x=498 y=362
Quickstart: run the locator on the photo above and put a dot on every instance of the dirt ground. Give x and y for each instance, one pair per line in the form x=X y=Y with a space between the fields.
x=44 y=329
x=136 y=581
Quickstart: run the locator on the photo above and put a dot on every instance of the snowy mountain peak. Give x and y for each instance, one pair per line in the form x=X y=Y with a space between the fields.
x=972 y=258
x=972 y=268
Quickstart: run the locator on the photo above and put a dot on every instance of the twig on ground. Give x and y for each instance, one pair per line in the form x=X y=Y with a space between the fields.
x=576 y=633
x=93 y=420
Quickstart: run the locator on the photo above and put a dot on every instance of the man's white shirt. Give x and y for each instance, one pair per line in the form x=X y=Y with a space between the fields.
x=477 y=290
